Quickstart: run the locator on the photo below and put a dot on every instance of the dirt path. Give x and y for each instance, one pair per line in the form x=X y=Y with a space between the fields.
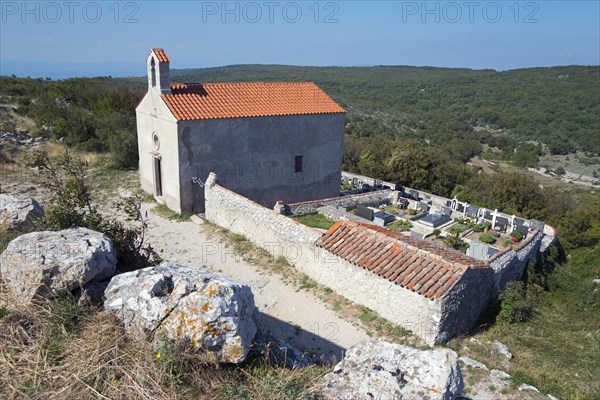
x=295 y=316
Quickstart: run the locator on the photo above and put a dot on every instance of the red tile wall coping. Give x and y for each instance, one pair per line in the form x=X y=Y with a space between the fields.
x=412 y=263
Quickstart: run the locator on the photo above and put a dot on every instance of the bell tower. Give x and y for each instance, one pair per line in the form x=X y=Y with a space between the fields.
x=159 y=80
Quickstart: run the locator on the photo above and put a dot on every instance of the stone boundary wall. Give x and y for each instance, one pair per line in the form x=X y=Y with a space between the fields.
x=463 y=305
x=368 y=180
x=509 y=264
x=264 y=227
x=374 y=199
x=282 y=236
x=434 y=320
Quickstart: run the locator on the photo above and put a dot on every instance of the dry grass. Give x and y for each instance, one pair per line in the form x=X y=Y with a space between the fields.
x=93 y=158
x=57 y=350
x=22 y=123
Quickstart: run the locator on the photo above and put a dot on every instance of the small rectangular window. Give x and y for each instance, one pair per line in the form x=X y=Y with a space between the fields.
x=298 y=163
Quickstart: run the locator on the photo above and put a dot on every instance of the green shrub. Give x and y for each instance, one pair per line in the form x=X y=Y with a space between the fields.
x=517 y=235
x=400 y=225
x=514 y=307
x=412 y=211
x=456 y=243
x=458 y=229
x=486 y=238
x=482 y=227
x=72 y=206
x=478 y=228
x=124 y=149
x=437 y=232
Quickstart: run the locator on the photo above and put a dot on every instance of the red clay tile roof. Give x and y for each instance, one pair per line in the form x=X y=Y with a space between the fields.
x=412 y=263
x=161 y=55
x=247 y=99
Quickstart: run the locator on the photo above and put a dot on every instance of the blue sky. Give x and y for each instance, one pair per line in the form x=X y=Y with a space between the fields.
x=90 y=38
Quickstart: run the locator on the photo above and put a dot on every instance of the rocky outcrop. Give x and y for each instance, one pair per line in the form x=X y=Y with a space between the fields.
x=502 y=349
x=197 y=309
x=18 y=212
x=382 y=370
x=50 y=264
x=496 y=384
x=469 y=362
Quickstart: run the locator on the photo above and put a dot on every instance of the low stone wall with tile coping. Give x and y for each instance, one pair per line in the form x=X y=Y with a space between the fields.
x=433 y=320
x=509 y=264
x=281 y=235
x=365 y=179
x=373 y=199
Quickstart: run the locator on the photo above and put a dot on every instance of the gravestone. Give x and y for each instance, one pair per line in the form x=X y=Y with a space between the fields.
x=403 y=204
x=522 y=229
x=364 y=212
x=519 y=222
x=472 y=211
x=501 y=223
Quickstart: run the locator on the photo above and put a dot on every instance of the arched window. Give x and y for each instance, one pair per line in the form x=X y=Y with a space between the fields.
x=153 y=72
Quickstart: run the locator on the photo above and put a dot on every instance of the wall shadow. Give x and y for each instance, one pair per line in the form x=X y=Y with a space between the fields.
x=320 y=342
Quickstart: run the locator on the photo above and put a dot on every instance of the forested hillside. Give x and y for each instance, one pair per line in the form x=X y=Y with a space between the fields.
x=557 y=106
x=94 y=114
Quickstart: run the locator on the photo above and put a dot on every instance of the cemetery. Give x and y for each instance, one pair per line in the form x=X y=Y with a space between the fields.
x=424 y=262
x=473 y=230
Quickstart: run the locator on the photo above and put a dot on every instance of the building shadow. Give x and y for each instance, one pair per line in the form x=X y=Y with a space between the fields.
x=320 y=342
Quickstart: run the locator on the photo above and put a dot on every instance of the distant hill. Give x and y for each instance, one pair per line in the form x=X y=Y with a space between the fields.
x=558 y=106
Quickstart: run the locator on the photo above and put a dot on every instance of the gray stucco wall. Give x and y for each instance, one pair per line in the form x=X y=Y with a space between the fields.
x=255 y=157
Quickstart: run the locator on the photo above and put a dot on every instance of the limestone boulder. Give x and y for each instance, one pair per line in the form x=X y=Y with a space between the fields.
x=383 y=370
x=502 y=349
x=194 y=308
x=18 y=212
x=50 y=264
